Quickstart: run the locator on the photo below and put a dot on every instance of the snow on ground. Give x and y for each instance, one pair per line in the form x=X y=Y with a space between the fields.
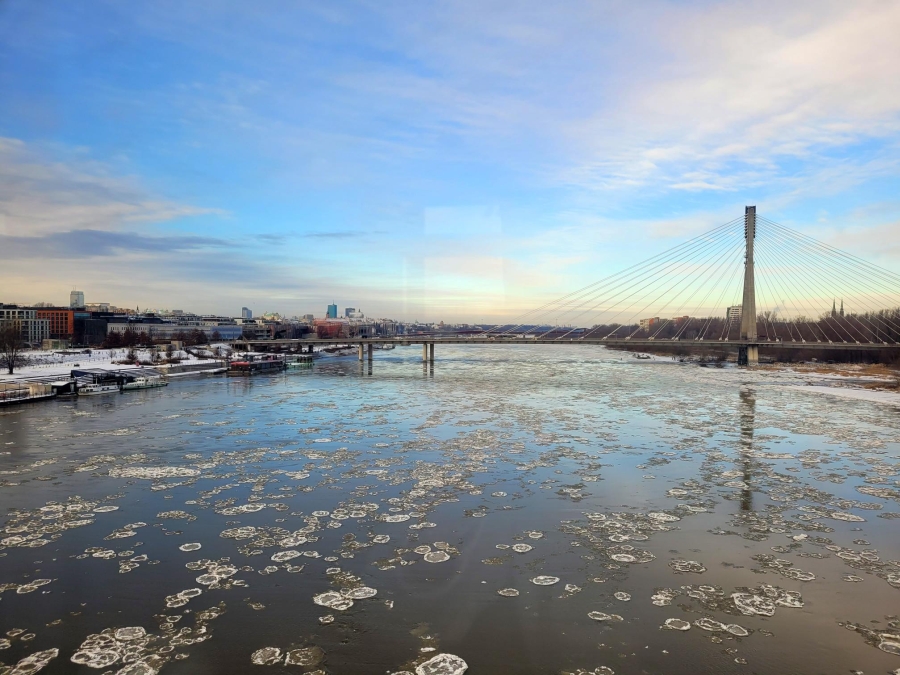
x=52 y=363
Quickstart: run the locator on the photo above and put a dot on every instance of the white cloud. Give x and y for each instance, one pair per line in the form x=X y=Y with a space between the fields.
x=40 y=195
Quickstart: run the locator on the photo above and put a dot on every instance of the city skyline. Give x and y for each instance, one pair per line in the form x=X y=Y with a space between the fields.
x=435 y=163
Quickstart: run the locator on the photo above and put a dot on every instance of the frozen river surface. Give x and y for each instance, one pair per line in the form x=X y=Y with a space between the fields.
x=567 y=510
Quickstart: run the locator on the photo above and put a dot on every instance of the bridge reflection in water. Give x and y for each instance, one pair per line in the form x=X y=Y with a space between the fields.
x=747 y=412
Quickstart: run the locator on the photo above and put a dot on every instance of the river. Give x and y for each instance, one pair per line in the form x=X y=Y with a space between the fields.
x=528 y=510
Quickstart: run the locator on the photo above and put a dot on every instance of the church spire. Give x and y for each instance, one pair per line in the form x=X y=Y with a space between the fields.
x=833 y=308
x=842 y=307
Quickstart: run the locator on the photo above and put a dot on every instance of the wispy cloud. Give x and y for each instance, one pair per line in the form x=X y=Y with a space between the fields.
x=41 y=194
x=87 y=244
x=340 y=234
x=359 y=136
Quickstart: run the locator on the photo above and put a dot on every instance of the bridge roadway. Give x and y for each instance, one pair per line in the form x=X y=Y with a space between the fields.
x=429 y=341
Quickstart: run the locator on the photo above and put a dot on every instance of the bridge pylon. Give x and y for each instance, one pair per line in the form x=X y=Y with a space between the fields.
x=748 y=355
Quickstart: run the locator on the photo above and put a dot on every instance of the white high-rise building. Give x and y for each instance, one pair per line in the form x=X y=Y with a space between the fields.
x=733 y=314
x=246 y=313
x=76 y=299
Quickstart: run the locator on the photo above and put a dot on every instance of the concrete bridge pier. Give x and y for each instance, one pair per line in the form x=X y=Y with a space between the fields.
x=424 y=352
x=371 y=348
x=431 y=353
x=360 y=351
x=748 y=356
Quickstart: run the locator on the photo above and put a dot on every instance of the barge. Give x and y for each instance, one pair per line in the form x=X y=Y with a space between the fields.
x=256 y=365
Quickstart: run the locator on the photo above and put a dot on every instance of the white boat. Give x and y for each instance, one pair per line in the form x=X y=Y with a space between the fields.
x=91 y=389
x=146 y=382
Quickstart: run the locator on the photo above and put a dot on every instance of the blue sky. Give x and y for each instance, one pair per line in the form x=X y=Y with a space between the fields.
x=459 y=161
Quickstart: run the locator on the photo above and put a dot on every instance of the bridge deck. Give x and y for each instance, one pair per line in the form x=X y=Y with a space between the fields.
x=613 y=342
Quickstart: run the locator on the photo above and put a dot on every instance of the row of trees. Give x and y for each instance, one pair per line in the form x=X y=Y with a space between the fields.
x=881 y=326
x=133 y=338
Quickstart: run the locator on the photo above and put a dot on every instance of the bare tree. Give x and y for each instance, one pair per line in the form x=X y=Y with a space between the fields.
x=10 y=345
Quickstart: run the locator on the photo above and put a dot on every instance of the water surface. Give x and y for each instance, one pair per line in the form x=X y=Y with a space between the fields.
x=762 y=517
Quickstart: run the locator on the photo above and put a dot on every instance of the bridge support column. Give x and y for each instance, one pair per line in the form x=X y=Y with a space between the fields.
x=431 y=353
x=748 y=356
x=371 y=348
x=360 y=352
x=424 y=352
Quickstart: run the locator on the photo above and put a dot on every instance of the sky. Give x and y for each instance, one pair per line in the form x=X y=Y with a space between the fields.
x=458 y=161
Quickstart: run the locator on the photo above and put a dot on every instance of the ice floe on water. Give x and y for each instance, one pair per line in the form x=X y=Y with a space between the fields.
x=267 y=656
x=545 y=580
x=307 y=656
x=32 y=663
x=442 y=664
x=687 y=566
x=603 y=616
x=333 y=600
x=359 y=593
x=508 y=592
x=676 y=624
x=710 y=624
x=153 y=472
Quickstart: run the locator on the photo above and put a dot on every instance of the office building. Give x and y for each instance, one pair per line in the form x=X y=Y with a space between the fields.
x=62 y=321
x=76 y=300
x=331 y=313
x=733 y=314
x=647 y=324
x=246 y=313
x=32 y=329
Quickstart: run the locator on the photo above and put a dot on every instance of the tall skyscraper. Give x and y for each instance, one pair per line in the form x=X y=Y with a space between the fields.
x=332 y=311
x=76 y=299
x=246 y=313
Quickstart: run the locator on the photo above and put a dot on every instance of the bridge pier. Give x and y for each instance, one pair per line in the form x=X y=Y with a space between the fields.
x=431 y=353
x=371 y=348
x=424 y=352
x=748 y=356
x=360 y=351
x=428 y=352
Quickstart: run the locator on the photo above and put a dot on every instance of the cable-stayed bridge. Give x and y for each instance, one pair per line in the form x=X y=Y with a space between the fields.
x=746 y=285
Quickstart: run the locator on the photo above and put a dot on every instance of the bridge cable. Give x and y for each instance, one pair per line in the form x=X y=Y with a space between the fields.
x=636 y=267
x=835 y=270
x=664 y=278
x=657 y=274
x=838 y=265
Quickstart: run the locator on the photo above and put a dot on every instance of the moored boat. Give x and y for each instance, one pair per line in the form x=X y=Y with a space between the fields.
x=253 y=365
x=146 y=382
x=98 y=388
